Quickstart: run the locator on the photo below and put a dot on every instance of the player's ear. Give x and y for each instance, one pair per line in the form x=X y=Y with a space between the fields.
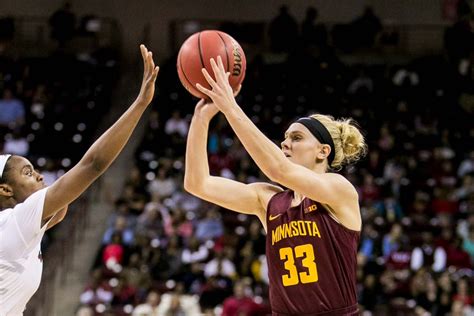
x=323 y=151
x=6 y=190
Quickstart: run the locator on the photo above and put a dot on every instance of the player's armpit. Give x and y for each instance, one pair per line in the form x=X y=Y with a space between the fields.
x=56 y=218
x=236 y=196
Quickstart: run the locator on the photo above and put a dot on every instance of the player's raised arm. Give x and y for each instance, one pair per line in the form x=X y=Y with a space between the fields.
x=327 y=188
x=104 y=151
x=233 y=195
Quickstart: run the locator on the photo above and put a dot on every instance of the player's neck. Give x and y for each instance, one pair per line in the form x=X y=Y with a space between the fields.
x=320 y=168
x=7 y=203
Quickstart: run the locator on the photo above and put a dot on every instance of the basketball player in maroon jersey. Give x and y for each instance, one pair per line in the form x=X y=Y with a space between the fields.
x=313 y=227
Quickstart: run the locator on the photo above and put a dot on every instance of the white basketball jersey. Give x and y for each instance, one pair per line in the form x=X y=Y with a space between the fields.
x=21 y=264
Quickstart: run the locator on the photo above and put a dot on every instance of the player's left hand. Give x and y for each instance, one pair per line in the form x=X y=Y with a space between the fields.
x=150 y=72
x=221 y=94
x=206 y=110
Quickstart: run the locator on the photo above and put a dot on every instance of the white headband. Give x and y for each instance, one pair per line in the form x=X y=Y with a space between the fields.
x=3 y=162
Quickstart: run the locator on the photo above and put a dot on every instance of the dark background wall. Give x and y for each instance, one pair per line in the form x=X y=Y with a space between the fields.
x=132 y=16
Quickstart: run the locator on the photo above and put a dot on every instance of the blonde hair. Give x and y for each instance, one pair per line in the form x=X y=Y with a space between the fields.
x=349 y=143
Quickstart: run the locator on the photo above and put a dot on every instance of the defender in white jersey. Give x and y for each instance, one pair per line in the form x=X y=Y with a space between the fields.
x=28 y=208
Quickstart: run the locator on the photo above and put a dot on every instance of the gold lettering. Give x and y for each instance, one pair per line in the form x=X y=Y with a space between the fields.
x=282 y=232
x=287 y=230
x=275 y=235
x=301 y=228
x=316 y=230
x=308 y=226
x=294 y=228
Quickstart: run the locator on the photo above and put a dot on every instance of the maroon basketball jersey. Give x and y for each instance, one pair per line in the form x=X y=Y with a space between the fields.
x=311 y=259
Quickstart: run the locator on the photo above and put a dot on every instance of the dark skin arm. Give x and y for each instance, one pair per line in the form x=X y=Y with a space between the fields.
x=104 y=151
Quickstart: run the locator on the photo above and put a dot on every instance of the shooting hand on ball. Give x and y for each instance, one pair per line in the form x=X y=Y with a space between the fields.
x=221 y=94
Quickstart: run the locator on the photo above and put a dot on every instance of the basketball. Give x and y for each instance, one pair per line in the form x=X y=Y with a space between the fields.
x=196 y=52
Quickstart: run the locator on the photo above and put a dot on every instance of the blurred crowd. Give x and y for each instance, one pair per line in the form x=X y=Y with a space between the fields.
x=50 y=108
x=166 y=252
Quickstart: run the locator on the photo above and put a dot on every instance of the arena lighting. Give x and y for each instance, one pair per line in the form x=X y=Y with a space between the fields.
x=65 y=162
x=35 y=126
x=77 y=138
x=81 y=127
x=150 y=176
x=41 y=162
x=58 y=126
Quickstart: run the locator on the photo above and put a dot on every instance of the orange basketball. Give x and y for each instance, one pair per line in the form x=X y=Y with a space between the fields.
x=196 y=52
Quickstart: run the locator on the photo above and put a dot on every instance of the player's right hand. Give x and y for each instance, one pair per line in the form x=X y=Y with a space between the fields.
x=206 y=109
x=150 y=72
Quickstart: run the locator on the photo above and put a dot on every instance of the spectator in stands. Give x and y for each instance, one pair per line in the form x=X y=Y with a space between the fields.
x=97 y=292
x=428 y=298
x=150 y=307
x=221 y=265
x=63 y=24
x=85 y=311
x=392 y=240
x=150 y=223
x=121 y=228
x=114 y=252
x=313 y=34
x=163 y=185
x=194 y=252
x=467 y=165
x=468 y=244
x=370 y=295
x=123 y=293
x=7 y=30
x=12 y=111
x=366 y=28
x=16 y=144
x=283 y=31
x=241 y=303
x=177 y=303
x=368 y=243
x=210 y=227
x=427 y=255
x=369 y=192
x=121 y=209
x=176 y=125
x=456 y=256
x=250 y=248
x=362 y=85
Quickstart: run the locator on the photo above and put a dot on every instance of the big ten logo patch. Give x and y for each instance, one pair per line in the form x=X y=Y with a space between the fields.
x=310 y=208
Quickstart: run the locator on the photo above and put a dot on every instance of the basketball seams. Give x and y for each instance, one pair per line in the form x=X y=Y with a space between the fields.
x=184 y=73
x=200 y=50
x=226 y=51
